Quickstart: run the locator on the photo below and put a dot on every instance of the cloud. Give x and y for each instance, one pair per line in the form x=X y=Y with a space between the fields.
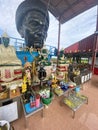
x=7 y=16
x=79 y=27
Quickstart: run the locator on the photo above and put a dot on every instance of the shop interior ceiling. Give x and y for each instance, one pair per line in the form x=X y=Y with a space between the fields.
x=65 y=10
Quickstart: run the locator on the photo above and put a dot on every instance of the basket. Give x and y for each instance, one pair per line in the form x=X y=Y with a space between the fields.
x=47 y=101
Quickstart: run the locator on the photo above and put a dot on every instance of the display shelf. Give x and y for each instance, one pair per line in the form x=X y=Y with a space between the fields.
x=74 y=101
x=65 y=92
x=10 y=108
x=31 y=111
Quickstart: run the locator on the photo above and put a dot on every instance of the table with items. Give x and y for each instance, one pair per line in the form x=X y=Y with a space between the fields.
x=31 y=104
x=10 y=105
x=74 y=101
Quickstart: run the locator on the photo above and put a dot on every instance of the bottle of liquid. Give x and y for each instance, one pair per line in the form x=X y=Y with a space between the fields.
x=32 y=101
x=37 y=100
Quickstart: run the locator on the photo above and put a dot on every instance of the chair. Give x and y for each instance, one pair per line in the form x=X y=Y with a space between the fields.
x=5 y=125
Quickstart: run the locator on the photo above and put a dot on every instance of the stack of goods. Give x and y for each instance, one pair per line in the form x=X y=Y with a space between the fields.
x=63 y=87
x=71 y=84
x=54 y=82
x=10 y=74
x=45 y=93
x=31 y=102
x=58 y=91
x=46 y=96
x=61 y=68
x=75 y=100
x=14 y=91
x=47 y=101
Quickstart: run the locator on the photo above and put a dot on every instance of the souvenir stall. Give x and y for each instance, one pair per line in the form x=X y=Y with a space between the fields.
x=62 y=77
x=35 y=82
x=29 y=87
x=26 y=81
x=36 y=86
x=10 y=80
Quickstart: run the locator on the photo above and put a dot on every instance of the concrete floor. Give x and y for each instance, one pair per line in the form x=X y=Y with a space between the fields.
x=57 y=117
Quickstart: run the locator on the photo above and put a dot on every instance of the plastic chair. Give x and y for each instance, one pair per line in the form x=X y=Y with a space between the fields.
x=5 y=125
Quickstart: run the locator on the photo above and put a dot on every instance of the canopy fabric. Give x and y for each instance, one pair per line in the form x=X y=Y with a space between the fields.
x=85 y=45
x=65 y=10
x=72 y=49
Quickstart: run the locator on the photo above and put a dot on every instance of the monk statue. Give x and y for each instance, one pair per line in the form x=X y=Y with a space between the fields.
x=7 y=53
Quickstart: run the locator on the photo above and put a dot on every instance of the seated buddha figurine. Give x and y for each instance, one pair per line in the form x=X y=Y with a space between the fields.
x=7 y=52
x=10 y=65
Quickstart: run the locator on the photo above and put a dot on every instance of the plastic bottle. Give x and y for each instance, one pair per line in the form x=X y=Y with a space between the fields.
x=32 y=102
x=37 y=100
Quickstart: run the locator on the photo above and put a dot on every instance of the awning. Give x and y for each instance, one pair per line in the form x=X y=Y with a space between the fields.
x=72 y=49
x=65 y=10
x=85 y=45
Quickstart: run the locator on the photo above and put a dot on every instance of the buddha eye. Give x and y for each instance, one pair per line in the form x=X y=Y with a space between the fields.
x=34 y=23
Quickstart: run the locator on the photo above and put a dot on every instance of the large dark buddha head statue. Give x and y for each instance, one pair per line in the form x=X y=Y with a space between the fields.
x=32 y=22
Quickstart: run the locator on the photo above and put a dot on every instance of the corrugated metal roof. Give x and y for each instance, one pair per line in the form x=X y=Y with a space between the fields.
x=85 y=45
x=65 y=10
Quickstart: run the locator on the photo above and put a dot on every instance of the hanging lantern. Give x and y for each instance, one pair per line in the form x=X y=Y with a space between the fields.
x=41 y=73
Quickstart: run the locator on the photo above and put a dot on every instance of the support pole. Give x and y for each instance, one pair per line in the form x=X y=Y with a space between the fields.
x=59 y=31
x=95 y=45
x=94 y=51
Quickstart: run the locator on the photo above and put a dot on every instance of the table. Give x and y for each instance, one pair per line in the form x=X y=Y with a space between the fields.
x=10 y=108
x=59 y=92
x=74 y=101
x=31 y=111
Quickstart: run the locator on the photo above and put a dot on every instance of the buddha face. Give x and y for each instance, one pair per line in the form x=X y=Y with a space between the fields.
x=32 y=22
x=34 y=29
x=5 y=41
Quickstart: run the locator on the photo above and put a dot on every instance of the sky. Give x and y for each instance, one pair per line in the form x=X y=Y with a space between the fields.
x=72 y=31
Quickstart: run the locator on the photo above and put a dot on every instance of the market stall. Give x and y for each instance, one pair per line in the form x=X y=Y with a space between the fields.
x=39 y=72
